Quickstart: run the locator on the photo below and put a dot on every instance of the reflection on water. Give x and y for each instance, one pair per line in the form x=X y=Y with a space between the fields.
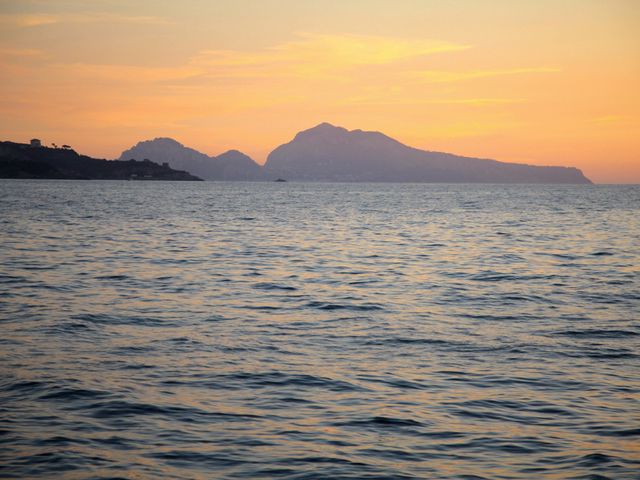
x=160 y=330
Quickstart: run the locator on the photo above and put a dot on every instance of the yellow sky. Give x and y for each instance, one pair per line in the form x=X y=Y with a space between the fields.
x=547 y=82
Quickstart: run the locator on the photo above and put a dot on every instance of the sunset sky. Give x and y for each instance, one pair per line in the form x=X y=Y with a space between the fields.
x=543 y=82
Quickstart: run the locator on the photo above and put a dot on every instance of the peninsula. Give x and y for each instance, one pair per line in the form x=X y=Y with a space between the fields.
x=21 y=160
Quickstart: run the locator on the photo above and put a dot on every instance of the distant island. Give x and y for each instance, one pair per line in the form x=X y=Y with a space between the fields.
x=21 y=160
x=327 y=153
x=231 y=165
x=324 y=153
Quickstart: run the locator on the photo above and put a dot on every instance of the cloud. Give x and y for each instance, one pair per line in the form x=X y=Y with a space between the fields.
x=381 y=100
x=434 y=76
x=312 y=54
x=607 y=119
x=363 y=49
x=28 y=20
x=125 y=73
x=308 y=57
x=20 y=52
x=316 y=57
x=479 y=102
x=324 y=73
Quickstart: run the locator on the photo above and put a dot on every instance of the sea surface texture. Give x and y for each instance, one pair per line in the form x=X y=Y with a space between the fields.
x=158 y=330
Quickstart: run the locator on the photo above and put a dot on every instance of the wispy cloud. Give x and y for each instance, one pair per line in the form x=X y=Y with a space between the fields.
x=310 y=72
x=27 y=20
x=479 y=102
x=122 y=74
x=608 y=119
x=20 y=52
x=434 y=76
x=475 y=102
x=311 y=54
x=308 y=57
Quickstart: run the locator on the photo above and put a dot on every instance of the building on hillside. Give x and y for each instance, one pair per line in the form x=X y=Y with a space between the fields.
x=35 y=143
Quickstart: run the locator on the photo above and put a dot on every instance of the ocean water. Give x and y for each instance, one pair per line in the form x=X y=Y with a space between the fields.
x=157 y=330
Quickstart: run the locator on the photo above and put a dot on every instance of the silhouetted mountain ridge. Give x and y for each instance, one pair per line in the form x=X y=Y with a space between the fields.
x=19 y=160
x=235 y=165
x=231 y=165
x=329 y=153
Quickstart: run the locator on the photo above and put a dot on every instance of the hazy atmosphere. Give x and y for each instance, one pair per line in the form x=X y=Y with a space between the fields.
x=320 y=240
x=540 y=82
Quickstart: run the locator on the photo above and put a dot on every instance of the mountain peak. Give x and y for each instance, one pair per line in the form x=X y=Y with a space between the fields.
x=322 y=129
x=234 y=155
x=165 y=141
x=233 y=151
x=326 y=126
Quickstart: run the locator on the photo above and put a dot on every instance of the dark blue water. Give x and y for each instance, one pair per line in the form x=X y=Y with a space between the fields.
x=318 y=331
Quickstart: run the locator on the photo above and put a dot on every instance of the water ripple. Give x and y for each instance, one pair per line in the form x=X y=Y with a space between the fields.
x=159 y=330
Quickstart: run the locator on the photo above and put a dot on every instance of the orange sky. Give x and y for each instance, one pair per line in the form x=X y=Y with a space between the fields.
x=547 y=82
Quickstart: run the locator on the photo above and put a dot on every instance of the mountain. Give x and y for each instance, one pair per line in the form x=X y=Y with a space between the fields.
x=235 y=165
x=231 y=165
x=19 y=160
x=329 y=153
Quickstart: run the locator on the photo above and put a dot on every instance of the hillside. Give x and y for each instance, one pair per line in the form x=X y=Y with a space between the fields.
x=18 y=160
x=231 y=165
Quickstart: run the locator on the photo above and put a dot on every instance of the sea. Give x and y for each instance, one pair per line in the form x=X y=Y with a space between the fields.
x=204 y=330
